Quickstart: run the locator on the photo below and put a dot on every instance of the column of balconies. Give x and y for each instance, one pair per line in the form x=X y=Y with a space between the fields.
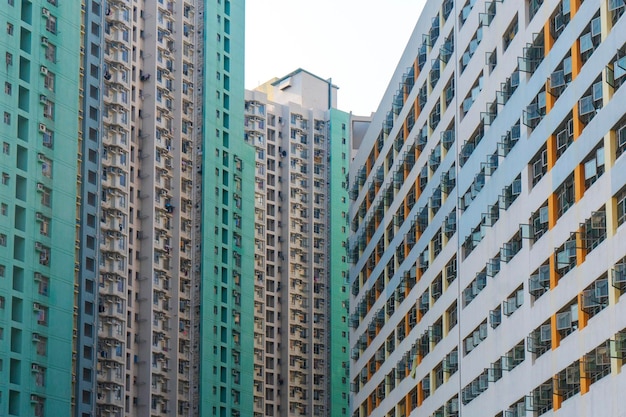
x=114 y=236
x=186 y=187
x=110 y=349
x=259 y=312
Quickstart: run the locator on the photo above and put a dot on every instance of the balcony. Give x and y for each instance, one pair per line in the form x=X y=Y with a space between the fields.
x=110 y=333
x=112 y=307
x=110 y=394
x=110 y=372
x=117 y=54
x=111 y=351
x=116 y=74
x=115 y=118
x=117 y=13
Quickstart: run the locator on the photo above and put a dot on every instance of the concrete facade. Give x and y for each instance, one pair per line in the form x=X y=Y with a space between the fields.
x=302 y=148
x=487 y=217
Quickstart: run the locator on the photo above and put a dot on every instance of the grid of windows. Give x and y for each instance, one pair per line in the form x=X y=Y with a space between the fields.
x=406 y=231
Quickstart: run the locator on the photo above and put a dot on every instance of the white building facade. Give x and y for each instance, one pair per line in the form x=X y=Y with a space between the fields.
x=488 y=202
x=302 y=145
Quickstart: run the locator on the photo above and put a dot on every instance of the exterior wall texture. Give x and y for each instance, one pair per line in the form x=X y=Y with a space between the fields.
x=487 y=217
x=226 y=289
x=88 y=210
x=300 y=269
x=110 y=112
x=40 y=47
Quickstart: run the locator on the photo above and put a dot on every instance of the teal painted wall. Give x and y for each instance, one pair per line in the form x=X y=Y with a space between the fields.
x=339 y=347
x=24 y=159
x=227 y=252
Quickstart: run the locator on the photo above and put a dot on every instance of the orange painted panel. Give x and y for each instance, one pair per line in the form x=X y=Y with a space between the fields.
x=556 y=401
x=579 y=182
x=578 y=124
x=552 y=210
x=576 y=59
x=556 y=336
x=584 y=381
x=420 y=394
x=583 y=316
x=548 y=40
x=551 y=148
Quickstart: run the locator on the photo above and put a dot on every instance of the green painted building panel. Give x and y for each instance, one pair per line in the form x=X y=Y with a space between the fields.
x=33 y=307
x=338 y=194
x=226 y=378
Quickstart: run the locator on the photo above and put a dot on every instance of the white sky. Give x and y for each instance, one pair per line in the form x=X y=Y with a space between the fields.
x=357 y=43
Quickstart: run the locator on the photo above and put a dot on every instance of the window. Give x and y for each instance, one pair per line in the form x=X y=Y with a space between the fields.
x=565 y=195
x=620 y=138
x=51 y=24
x=6 y=148
x=39 y=374
x=48 y=81
x=48 y=109
x=45 y=196
x=621 y=206
x=43 y=283
x=509 y=35
x=533 y=7
x=51 y=52
x=492 y=60
x=9 y=58
x=44 y=226
x=5 y=178
x=46 y=166
x=48 y=138
x=452 y=316
x=7 y=118
x=539 y=165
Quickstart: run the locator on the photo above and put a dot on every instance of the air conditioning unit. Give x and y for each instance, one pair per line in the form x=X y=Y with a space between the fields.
x=43 y=70
x=41 y=157
x=36 y=337
x=43 y=99
x=34 y=398
x=45 y=12
x=44 y=41
x=42 y=128
x=39 y=216
x=39 y=246
x=36 y=306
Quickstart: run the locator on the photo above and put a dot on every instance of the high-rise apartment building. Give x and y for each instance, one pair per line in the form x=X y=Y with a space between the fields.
x=487 y=217
x=112 y=114
x=302 y=149
x=40 y=49
x=173 y=87
x=225 y=165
